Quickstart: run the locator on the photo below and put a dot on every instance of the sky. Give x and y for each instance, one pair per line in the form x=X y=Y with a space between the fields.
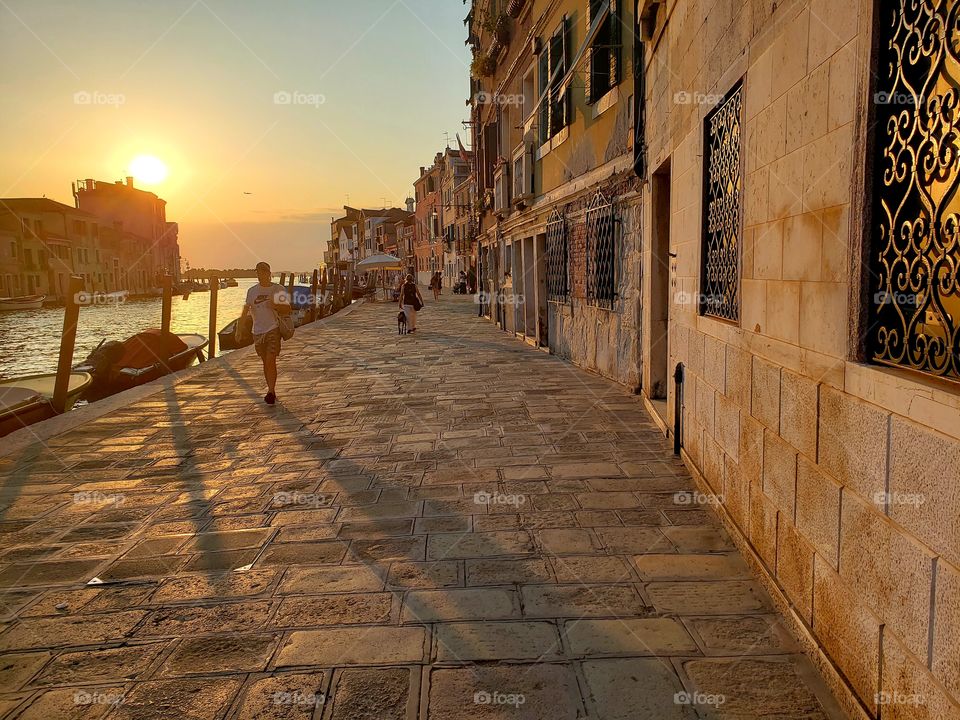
x=267 y=114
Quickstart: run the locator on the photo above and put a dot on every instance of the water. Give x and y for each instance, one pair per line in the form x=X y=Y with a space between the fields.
x=30 y=339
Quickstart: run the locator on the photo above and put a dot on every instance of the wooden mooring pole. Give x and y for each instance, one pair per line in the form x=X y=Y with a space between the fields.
x=323 y=293
x=167 y=285
x=68 y=339
x=314 y=285
x=212 y=336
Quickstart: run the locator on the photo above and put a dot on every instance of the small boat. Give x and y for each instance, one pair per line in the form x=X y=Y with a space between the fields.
x=24 y=302
x=26 y=400
x=227 y=338
x=148 y=355
x=231 y=282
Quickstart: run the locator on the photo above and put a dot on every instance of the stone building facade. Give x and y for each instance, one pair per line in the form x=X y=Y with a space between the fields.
x=799 y=222
x=558 y=202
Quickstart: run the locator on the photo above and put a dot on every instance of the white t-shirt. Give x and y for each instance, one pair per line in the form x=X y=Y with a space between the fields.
x=258 y=298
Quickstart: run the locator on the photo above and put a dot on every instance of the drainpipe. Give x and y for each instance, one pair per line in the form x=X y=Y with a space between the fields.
x=677 y=407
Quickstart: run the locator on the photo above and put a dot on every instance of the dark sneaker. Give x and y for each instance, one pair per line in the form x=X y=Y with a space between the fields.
x=270 y=398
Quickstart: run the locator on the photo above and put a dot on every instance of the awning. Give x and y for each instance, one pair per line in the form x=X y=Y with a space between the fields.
x=380 y=261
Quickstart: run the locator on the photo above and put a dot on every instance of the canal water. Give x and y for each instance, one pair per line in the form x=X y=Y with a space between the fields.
x=30 y=339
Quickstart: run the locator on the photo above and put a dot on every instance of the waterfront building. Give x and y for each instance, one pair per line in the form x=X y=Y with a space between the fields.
x=454 y=174
x=748 y=211
x=343 y=233
x=428 y=246
x=137 y=214
x=44 y=242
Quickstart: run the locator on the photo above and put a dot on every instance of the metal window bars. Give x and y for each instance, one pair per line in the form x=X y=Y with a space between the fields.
x=914 y=249
x=558 y=258
x=722 y=209
x=601 y=246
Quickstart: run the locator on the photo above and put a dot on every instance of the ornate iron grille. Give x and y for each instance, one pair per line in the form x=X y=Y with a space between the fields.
x=914 y=258
x=601 y=252
x=722 y=186
x=558 y=259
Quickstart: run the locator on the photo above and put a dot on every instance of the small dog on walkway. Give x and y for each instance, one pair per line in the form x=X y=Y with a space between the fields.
x=401 y=323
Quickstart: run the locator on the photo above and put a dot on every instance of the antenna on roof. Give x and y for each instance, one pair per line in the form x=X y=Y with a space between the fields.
x=348 y=198
x=384 y=205
x=446 y=136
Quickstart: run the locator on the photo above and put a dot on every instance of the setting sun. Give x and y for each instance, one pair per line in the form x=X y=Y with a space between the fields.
x=148 y=169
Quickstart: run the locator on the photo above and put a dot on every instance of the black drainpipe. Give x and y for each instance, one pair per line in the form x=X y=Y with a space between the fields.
x=677 y=408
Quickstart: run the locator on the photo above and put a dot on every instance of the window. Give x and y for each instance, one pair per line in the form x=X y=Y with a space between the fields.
x=914 y=293
x=722 y=210
x=604 y=54
x=601 y=252
x=552 y=67
x=558 y=259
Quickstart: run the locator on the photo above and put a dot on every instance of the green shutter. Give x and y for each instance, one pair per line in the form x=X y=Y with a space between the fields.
x=588 y=83
x=615 y=35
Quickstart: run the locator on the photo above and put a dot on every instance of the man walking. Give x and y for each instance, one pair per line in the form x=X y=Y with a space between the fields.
x=266 y=302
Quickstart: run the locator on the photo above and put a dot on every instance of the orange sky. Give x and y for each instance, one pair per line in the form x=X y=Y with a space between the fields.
x=299 y=103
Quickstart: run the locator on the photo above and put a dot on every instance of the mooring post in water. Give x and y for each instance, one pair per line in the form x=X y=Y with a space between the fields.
x=212 y=337
x=167 y=284
x=348 y=296
x=314 y=284
x=68 y=339
x=283 y=279
x=323 y=293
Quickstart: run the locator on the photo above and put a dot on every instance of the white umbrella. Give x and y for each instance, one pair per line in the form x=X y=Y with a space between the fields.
x=380 y=261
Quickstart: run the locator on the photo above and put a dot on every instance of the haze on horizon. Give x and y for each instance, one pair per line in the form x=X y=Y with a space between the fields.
x=267 y=115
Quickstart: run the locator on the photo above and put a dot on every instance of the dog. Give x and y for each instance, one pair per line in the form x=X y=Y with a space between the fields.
x=401 y=323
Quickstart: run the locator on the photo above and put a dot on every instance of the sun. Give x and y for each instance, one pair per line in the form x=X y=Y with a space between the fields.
x=148 y=169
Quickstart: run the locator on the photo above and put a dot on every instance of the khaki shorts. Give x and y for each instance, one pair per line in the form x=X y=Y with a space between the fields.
x=268 y=344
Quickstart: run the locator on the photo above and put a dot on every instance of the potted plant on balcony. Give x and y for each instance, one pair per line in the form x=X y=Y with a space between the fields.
x=482 y=66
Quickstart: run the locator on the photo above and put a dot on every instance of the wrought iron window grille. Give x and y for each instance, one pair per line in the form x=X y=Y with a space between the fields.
x=914 y=244
x=722 y=209
x=558 y=258
x=602 y=252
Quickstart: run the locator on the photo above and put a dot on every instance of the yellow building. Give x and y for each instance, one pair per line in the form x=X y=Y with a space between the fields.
x=553 y=138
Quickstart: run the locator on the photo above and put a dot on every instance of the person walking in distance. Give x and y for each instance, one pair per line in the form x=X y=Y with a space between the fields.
x=435 y=283
x=410 y=302
x=266 y=302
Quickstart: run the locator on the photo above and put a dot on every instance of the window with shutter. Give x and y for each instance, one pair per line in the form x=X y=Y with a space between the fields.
x=604 y=53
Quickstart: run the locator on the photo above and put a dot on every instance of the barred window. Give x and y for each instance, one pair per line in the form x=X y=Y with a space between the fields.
x=558 y=259
x=601 y=252
x=722 y=210
x=604 y=54
x=914 y=243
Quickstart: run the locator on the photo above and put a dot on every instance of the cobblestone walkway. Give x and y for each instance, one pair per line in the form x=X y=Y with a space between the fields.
x=439 y=526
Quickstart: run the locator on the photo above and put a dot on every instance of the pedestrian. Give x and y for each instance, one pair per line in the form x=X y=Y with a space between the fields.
x=410 y=302
x=267 y=302
x=435 y=285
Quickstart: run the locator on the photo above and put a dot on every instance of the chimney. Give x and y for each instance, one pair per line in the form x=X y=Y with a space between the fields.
x=129 y=181
x=410 y=204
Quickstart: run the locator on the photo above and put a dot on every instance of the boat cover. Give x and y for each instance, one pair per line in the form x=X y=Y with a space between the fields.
x=150 y=347
x=12 y=398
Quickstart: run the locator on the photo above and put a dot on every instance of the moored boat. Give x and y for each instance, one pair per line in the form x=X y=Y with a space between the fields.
x=227 y=337
x=146 y=356
x=24 y=302
x=26 y=400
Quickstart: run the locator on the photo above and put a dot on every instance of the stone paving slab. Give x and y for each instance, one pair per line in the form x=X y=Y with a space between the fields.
x=441 y=526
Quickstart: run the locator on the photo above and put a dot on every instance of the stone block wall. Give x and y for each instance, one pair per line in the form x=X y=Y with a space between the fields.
x=842 y=477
